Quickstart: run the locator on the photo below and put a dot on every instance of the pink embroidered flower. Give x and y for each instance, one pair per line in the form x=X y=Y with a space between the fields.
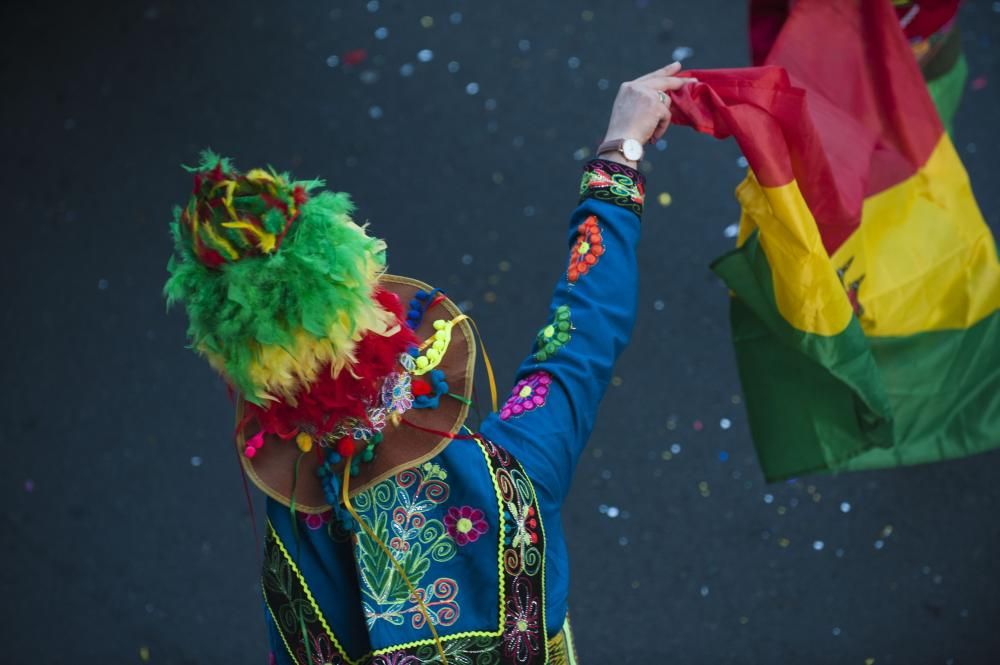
x=528 y=394
x=315 y=521
x=521 y=633
x=465 y=524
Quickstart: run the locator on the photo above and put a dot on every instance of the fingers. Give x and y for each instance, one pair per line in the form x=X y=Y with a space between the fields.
x=665 y=82
x=669 y=70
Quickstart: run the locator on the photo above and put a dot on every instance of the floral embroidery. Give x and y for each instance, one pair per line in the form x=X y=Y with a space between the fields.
x=316 y=521
x=405 y=505
x=521 y=634
x=528 y=394
x=465 y=524
x=587 y=250
x=614 y=183
x=398 y=511
x=555 y=335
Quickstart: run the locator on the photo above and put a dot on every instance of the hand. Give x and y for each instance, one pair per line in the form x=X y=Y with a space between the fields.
x=640 y=112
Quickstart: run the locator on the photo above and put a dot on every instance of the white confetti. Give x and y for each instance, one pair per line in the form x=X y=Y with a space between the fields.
x=406 y=69
x=742 y=162
x=332 y=61
x=658 y=305
x=372 y=6
x=845 y=507
x=375 y=112
x=472 y=88
x=573 y=62
x=195 y=461
x=731 y=231
x=725 y=423
x=425 y=55
x=381 y=33
x=524 y=46
x=613 y=511
x=818 y=545
x=453 y=67
x=682 y=53
x=675 y=448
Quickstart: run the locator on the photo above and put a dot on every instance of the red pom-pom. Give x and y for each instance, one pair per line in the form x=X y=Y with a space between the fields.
x=420 y=387
x=299 y=194
x=345 y=447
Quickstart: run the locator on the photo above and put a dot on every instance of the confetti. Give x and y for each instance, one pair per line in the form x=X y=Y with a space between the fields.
x=332 y=61
x=818 y=545
x=355 y=57
x=427 y=21
x=375 y=112
x=675 y=448
x=731 y=231
x=664 y=199
x=682 y=53
x=845 y=507
x=455 y=18
x=196 y=461
x=467 y=259
x=617 y=381
x=472 y=88
x=524 y=46
x=724 y=456
x=381 y=33
x=784 y=542
x=612 y=512
x=425 y=55
x=406 y=69
x=453 y=67
x=603 y=84
x=978 y=83
x=835 y=631
x=102 y=285
x=742 y=162
x=587 y=15
x=144 y=654
x=661 y=145
x=29 y=485
x=768 y=498
x=573 y=62
x=372 y=6
x=658 y=305
x=490 y=104
x=697 y=425
x=581 y=153
x=703 y=591
x=725 y=423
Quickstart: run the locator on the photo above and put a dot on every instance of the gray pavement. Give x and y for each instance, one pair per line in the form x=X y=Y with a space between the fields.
x=127 y=537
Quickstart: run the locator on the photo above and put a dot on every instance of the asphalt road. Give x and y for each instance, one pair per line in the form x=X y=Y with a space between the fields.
x=126 y=534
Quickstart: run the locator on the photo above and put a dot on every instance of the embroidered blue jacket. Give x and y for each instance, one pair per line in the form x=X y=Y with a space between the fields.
x=477 y=528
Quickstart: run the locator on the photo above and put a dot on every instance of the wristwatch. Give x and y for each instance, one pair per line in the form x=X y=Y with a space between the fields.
x=629 y=148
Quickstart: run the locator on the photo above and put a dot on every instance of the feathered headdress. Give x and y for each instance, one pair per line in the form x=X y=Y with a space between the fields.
x=287 y=298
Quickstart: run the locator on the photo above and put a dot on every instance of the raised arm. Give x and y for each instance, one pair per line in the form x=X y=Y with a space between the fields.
x=549 y=415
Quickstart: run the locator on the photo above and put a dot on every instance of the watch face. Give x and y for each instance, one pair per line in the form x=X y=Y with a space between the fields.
x=632 y=149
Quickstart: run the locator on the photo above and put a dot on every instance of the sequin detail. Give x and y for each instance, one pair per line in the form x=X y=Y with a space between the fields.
x=555 y=335
x=587 y=250
x=528 y=394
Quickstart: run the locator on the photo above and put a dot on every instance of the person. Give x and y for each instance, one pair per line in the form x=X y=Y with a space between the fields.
x=396 y=533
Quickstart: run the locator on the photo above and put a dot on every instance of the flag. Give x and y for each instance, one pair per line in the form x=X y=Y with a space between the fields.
x=865 y=284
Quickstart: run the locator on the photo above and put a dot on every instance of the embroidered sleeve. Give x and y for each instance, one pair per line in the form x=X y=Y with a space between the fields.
x=549 y=413
x=615 y=183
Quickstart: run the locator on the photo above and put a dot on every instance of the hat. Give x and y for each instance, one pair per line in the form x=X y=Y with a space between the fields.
x=288 y=299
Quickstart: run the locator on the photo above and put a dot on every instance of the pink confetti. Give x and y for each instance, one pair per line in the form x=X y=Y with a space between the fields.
x=698 y=426
x=29 y=485
x=979 y=83
x=355 y=57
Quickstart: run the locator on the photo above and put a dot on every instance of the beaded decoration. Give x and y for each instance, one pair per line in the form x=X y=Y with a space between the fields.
x=528 y=394
x=587 y=250
x=555 y=335
x=615 y=183
x=438 y=342
x=427 y=393
x=419 y=304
